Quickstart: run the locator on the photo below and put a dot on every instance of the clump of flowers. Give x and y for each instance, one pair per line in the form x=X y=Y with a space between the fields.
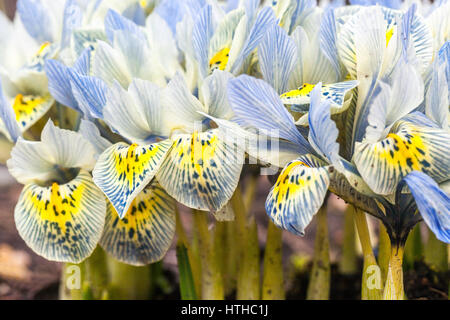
x=127 y=108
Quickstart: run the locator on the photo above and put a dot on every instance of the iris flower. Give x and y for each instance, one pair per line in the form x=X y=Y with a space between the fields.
x=61 y=212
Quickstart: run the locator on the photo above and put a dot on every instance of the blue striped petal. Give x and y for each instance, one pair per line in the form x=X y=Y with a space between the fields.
x=323 y=131
x=255 y=103
x=265 y=19
x=146 y=232
x=201 y=171
x=328 y=40
x=277 y=56
x=433 y=203
x=36 y=20
x=298 y=194
x=59 y=83
x=72 y=17
x=123 y=171
x=62 y=222
x=114 y=22
x=89 y=93
x=201 y=36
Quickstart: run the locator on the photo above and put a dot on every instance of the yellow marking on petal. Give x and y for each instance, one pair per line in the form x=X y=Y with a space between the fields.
x=220 y=60
x=132 y=164
x=143 y=3
x=284 y=185
x=408 y=153
x=301 y=91
x=42 y=48
x=24 y=106
x=62 y=204
x=389 y=34
x=201 y=150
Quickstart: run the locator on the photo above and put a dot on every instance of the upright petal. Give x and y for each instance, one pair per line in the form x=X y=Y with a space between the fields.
x=277 y=54
x=323 y=131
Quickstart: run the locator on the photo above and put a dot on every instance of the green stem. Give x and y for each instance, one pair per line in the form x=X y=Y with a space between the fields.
x=97 y=273
x=187 y=286
x=436 y=253
x=319 y=282
x=393 y=289
x=384 y=251
x=413 y=248
x=212 y=280
x=371 y=280
x=232 y=258
x=193 y=259
x=220 y=247
x=273 y=282
x=248 y=281
x=129 y=282
x=348 y=262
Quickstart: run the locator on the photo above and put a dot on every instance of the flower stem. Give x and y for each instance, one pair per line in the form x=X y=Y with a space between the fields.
x=248 y=281
x=348 y=261
x=129 y=282
x=436 y=253
x=393 y=289
x=319 y=283
x=273 y=284
x=212 y=280
x=192 y=259
x=384 y=251
x=97 y=273
x=413 y=248
x=371 y=288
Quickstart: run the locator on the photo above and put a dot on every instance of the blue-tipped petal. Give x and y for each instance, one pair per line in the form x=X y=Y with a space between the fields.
x=433 y=203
